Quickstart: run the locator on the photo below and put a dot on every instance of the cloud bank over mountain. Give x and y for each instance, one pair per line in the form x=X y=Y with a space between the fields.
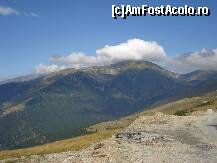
x=133 y=49
x=205 y=59
x=44 y=69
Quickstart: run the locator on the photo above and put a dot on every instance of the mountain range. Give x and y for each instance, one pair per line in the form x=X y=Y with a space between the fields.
x=63 y=104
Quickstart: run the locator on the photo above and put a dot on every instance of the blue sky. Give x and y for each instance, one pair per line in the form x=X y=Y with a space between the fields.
x=59 y=27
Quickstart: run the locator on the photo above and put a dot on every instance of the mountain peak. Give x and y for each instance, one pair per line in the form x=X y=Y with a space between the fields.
x=134 y=64
x=122 y=66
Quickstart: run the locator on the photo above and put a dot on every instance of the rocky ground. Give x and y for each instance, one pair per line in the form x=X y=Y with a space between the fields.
x=158 y=138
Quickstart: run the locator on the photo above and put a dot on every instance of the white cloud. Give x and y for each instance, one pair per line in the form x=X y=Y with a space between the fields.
x=44 y=69
x=30 y=14
x=204 y=59
x=8 y=11
x=134 y=49
x=5 y=11
x=77 y=60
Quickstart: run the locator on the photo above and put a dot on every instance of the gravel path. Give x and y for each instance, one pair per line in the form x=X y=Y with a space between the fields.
x=152 y=139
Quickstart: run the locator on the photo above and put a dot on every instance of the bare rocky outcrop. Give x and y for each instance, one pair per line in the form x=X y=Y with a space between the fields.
x=157 y=138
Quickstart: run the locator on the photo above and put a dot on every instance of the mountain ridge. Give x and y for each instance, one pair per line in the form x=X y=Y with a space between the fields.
x=44 y=109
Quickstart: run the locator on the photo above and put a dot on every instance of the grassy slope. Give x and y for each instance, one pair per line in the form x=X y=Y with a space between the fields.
x=185 y=106
x=73 y=144
x=106 y=129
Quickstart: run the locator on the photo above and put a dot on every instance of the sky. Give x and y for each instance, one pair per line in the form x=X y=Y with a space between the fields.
x=45 y=36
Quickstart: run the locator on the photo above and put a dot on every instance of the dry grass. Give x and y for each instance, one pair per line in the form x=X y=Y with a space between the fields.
x=73 y=144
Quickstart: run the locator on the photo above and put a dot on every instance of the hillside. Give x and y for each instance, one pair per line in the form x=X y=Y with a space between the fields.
x=187 y=106
x=183 y=107
x=61 y=105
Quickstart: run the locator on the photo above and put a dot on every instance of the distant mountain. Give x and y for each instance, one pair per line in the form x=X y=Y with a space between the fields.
x=20 y=79
x=2 y=79
x=201 y=81
x=63 y=104
x=199 y=76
